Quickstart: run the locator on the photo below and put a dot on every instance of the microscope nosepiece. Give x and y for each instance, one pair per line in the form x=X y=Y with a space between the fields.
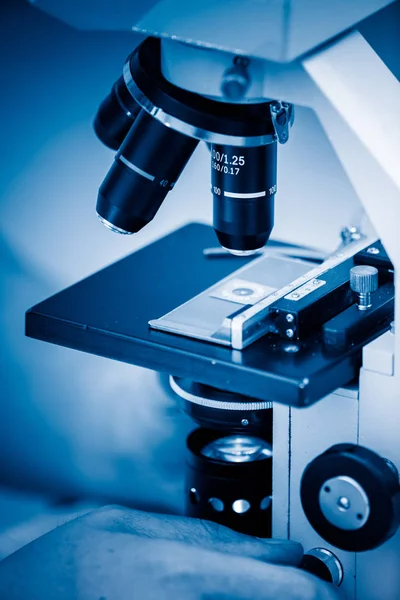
x=243 y=182
x=145 y=169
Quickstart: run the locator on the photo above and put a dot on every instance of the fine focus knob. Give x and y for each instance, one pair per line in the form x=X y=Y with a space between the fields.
x=351 y=497
x=364 y=279
x=323 y=564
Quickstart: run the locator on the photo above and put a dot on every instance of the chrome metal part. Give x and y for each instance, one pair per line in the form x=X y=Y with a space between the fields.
x=282 y=115
x=236 y=79
x=198 y=133
x=253 y=323
x=351 y=233
x=238 y=449
x=112 y=227
x=209 y=315
x=220 y=323
x=241 y=253
x=331 y=561
x=364 y=281
x=291 y=348
x=241 y=506
x=344 y=503
x=189 y=391
x=292 y=251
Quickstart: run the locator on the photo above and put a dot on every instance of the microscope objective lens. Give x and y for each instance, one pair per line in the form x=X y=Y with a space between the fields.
x=243 y=183
x=116 y=116
x=145 y=169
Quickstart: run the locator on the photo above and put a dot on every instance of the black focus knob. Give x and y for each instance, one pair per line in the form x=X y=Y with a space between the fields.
x=351 y=497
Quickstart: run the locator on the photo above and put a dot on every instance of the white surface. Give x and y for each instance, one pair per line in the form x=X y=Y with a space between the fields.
x=378 y=356
x=270 y=29
x=378 y=574
x=303 y=434
x=367 y=140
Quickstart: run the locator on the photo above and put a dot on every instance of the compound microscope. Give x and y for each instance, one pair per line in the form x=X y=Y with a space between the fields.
x=289 y=366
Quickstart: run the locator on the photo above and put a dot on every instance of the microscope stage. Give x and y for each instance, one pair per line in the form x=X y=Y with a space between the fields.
x=107 y=314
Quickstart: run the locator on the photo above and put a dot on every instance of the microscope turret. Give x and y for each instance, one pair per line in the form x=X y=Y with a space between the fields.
x=155 y=127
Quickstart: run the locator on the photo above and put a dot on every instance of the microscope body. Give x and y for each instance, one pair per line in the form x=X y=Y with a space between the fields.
x=277 y=53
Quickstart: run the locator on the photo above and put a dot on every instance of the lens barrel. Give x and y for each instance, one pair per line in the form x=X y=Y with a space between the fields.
x=229 y=481
x=243 y=182
x=145 y=169
x=116 y=115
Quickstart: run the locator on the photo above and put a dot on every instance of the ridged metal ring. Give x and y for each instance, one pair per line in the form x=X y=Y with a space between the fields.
x=251 y=405
x=211 y=137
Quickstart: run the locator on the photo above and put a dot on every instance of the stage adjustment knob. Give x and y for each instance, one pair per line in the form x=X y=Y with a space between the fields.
x=364 y=281
x=351 y=497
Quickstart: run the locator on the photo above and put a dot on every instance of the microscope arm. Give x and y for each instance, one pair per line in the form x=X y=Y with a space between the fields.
x=359 y=108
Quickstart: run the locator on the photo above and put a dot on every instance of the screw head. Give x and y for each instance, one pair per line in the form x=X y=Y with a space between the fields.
x=350 y=234
x=343 y=503
x=291 y=348
x=236 y=79
x=289 y=333
x=289 y=318
x=373 y=250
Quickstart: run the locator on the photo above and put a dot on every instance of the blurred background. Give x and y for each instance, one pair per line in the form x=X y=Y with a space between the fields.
x=74 y=426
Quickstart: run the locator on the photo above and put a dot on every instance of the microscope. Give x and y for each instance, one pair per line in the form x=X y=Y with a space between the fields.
x=288 y=363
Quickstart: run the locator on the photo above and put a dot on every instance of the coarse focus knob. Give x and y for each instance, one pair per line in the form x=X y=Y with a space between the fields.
x=364 y=281
x=351 y=497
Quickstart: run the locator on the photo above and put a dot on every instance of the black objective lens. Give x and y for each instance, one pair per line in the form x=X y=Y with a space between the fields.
x=229 y=480
x=145 y=169
x=116 y=115
x=243 y=182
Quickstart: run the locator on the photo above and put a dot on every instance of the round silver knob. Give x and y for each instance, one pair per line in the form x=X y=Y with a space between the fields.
x=364 y=281
x=324 y=564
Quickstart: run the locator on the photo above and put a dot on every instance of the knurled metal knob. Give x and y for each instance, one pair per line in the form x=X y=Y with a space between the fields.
x=364 y=281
